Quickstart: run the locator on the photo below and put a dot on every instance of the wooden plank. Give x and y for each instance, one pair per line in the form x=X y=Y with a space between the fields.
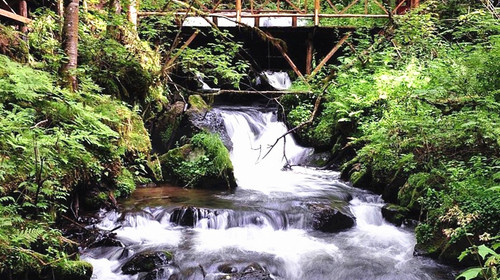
x=329 y=55
x=13 y=16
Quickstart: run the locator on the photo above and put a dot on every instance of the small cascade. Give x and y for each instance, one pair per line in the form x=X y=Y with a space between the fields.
x=277 y=80
x=268 y=226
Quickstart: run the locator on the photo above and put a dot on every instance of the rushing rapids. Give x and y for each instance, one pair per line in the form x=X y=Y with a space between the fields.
x=266 y=229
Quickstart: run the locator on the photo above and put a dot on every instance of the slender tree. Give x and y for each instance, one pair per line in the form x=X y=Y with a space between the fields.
x=70 y=43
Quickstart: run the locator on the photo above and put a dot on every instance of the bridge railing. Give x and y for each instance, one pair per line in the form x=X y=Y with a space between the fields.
x=314 y=9
x=310 y=10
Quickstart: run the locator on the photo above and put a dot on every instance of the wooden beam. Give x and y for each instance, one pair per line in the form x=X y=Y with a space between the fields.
x=285 y=56
x=145 y=14
x=13 y=16
x=329 y=55
x=349 y=6
x=309 y=53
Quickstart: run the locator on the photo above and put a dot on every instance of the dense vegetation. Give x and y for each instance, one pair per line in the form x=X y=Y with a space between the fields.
x=417 y=119
x=413 y=115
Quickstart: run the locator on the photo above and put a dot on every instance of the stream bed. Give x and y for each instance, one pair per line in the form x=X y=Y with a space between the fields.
x=268 y=228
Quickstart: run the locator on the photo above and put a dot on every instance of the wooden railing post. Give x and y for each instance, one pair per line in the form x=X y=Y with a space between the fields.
x=238 y=11
x=316 y=12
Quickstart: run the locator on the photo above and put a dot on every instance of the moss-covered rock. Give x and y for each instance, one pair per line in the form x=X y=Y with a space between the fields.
x=125 y=183
x=395 y=214
x=197 y=104
x=203 y=163
x=74 y=270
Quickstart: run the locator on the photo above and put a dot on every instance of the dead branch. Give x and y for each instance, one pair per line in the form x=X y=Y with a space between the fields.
x=310 y=120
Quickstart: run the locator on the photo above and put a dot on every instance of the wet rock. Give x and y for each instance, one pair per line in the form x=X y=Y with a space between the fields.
x=227 y=268
x=253 y=271
x=188 y=216
x=147 y=262
x=395 y=214
x=329 y=219
x=170 y=273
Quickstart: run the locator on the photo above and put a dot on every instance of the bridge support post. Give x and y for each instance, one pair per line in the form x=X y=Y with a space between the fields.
x=309 y=53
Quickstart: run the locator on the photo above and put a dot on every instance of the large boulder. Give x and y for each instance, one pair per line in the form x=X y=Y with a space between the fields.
x=327 y=218
x=202 y=163
x=147 y=262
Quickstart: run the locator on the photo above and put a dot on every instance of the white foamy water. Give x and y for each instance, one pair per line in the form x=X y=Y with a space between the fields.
x=268 y=222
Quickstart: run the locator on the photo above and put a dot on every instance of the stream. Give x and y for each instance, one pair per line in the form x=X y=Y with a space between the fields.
x=266 y=225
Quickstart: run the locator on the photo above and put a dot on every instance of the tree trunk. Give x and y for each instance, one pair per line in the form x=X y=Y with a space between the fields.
x=70 y=43
x=23 y=11
x=132 y=12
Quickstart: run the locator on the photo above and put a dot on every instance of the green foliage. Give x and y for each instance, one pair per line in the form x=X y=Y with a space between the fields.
x=421 y=112
x=205 y=157
x=53 y=142
x=216 y=62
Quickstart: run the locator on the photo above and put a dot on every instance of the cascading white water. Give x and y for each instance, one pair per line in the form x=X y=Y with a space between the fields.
x=277 y=80
x=267 y=222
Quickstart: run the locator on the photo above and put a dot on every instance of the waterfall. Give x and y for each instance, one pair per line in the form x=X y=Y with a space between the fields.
x=266 y=222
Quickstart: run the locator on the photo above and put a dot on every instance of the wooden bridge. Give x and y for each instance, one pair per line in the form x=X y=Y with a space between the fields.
x=296 y=22
x=284 y=13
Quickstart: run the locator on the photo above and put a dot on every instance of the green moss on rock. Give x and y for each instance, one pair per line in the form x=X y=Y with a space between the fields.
x=74 y=270
x=203 y=163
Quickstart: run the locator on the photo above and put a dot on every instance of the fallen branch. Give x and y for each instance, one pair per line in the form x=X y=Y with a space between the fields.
x=310 y=120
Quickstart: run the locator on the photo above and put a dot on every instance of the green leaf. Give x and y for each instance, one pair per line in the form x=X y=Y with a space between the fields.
x=483 y=251
x=470 y=273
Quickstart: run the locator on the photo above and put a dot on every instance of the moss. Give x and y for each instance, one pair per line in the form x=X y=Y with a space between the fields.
x=203 y=163
x=130 y=126
x=197 y=103
x=74 y=270
x=125 y=183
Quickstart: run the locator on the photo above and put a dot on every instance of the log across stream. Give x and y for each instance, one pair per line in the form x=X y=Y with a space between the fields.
x=280 y=223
